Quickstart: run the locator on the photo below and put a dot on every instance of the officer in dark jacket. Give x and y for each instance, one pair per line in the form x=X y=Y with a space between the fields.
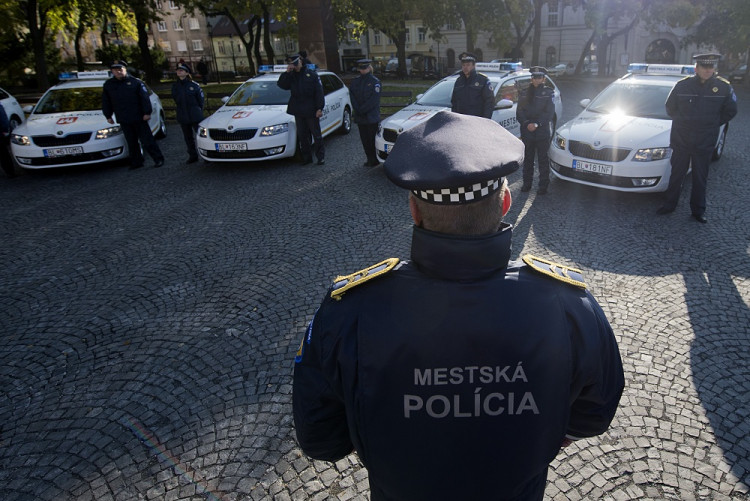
x=698 y=105
x=188 y=97
x=430 y=369
x=534 y=113
x=127 y=98
x=6 y=162
x=306 y=103
x=364 y=92
x=472 y=92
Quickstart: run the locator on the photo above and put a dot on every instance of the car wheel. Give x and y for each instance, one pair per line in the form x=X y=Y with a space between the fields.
x=719 y=149
x=346 y=121
x=162 y=132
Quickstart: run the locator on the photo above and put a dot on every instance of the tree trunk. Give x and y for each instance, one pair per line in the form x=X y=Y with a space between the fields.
x=79 y=35
x=148 y=63
x=267 y=43
x=37 y=24
x=537 y=32
x=258 y=32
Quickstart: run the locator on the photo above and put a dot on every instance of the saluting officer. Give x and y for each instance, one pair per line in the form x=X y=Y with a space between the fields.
x=364 y=92
x=534 y=113
x=188 y=98
x=127 y=98
x=472 y=92
x=306 y=104
x=430 y=369
x=698 y=105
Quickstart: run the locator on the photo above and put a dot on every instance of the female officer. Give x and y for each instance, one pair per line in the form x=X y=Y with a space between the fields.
x=188 y=96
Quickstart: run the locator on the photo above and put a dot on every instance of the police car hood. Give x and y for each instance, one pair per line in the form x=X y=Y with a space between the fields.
x=411 y=116
x=61 y=124
x=618 y=130
x=243 y=117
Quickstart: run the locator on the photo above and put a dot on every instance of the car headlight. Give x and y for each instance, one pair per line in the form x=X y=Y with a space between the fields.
x=559 y=142
x=202 y=132
x=108 y=132
x=20 y=140
x=272 y=130
x=651 y=154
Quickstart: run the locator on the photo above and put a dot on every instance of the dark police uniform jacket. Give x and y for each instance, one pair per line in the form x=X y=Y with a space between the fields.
x=306 y=92
x=473 y=95
x=364 y=92
x=456 y=375
x=540 y=110
x=698 y=110
x=126 y=98
x=188 y=98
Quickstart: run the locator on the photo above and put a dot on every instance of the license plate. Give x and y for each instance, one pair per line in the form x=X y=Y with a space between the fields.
x=591 y=167
x=231 y=147
x=388 y=148
x=61 y=152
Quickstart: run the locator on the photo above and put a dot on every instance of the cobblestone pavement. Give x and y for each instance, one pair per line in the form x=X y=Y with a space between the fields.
x=149 y=321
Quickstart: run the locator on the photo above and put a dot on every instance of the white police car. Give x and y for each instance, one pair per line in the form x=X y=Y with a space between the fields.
x=508 y=80
x=253 y=123
x=67 y=127
x=620 y=141
x=15 y=113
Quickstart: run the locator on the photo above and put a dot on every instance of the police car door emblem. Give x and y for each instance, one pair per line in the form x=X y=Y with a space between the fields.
x=597 y=143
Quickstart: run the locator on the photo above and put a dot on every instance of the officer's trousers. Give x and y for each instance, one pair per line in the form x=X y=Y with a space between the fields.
x=140 y=131
x=188 y=132
x=367 y=134
x=307 y=127
x=536 y=146
x=681 y=161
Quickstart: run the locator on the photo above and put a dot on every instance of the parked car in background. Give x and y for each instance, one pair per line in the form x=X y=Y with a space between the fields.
x=391 y=67
x=253 y=124
x=15 y=113
x=739 y=74
x=620 y=141
x=67 y=127
x=562 y=69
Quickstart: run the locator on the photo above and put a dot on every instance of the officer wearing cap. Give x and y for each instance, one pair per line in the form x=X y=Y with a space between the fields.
x=127 y=98
x=306 y=103
x=472 y=92
x=428 y=368
x=534 y=113
x=698 y=105
x=364 y=92
x=188 y=98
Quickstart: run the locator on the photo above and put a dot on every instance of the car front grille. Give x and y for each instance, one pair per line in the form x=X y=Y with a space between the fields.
x=51 y=141
x=237 y=135
x=390 y=135
x=585 y=150
x=68 y=159
x=235 y=155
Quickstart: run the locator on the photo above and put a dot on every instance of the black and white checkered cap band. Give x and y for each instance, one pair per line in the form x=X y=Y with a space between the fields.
x=460 y=195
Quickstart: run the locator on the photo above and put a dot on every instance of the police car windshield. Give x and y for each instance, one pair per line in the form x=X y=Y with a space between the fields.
x=438 y=95
x=632 y=99
x=68 y=100
x=263 y=92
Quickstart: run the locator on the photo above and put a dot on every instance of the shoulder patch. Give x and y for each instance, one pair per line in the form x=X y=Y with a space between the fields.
x=723 y=80
x=343 y=283
x=560 y=272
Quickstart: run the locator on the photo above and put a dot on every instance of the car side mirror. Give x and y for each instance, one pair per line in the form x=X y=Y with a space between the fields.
x=225 y=99
x=504 y=104
x=27 y=109
x=584 y=102
x=419 y=96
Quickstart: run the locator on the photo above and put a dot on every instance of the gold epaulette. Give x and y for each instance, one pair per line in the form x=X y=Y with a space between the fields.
x=560 y=272
x=345 y=282
x=723 y=79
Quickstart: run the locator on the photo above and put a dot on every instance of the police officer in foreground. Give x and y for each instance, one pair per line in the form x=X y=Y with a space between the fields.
x=472 y=92
x=437 y=371
x=188 y=98
x=364 y=92
x=534 y=113
x=698 y=105
x=306 y=104
x=127 y=98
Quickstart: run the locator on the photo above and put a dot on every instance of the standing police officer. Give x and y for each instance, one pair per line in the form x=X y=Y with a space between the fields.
x=306 y=103
x=698 y=105
x=472 y=92
x=534 y=113
x=428 y=369
x=127 y=97
x=364 y=92
x=6 y=161
x=188 y=98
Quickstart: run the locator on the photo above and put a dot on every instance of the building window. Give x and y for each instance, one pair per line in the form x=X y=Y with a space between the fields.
x=222 y=49
x=194 y=24
x=551 y=57
x=290 y=47
x=176 y=25
x=181 y=46
x=198 y=45
x=173 y=5
x=451 y=27
x=661 y=51
x=421 y=34
x=376 y=38
x=552 y=13
x=408 y=36
x=161 y=26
